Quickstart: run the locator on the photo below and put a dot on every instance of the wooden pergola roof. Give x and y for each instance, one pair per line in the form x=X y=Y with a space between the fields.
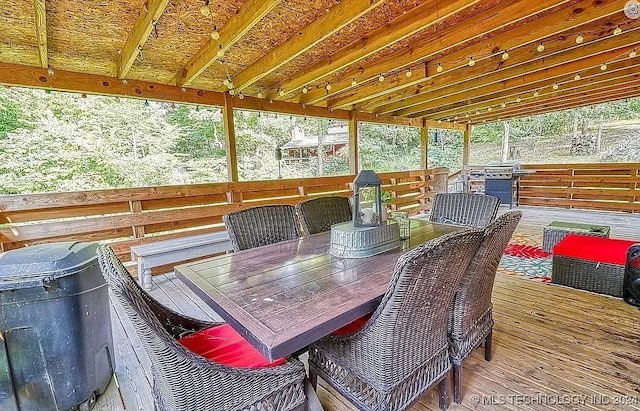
x=393 y=59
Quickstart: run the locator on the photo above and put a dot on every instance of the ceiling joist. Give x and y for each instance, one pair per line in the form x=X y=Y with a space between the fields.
x=149 y=15
x=337 y=18
x=247 y=17
x=40 y=11
x=400 y=28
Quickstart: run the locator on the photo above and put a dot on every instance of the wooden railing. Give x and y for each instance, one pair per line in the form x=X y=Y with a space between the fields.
x=126 y=217
x=597 y=186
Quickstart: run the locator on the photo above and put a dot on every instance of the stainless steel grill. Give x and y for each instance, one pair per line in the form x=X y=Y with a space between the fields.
x=503 y=181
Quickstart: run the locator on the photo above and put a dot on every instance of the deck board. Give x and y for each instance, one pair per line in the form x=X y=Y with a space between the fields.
x=550 y=342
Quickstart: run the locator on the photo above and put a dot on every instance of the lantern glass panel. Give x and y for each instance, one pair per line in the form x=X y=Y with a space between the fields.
x=367 y=200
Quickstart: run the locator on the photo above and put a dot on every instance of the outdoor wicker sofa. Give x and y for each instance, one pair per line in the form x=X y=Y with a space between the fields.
x=184 y=380
x=317 y=215
x=261 y=225
x=474 y=210
x=401 y=351
x=471 y=318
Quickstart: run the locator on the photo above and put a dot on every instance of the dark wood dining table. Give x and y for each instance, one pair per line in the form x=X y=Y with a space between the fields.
x=283 y=297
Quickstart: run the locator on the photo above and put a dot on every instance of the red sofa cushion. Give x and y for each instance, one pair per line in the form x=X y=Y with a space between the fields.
x=353 y=326
x=223 y=344
x=597 y=249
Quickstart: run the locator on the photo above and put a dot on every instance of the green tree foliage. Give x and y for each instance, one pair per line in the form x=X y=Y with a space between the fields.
x=389 y=148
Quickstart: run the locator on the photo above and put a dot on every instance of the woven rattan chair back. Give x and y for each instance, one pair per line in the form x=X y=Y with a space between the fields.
x=470 y=319
x=183 y=380
x=472 y=210
x=402 y=350
x=262 y=225
x=319 y=214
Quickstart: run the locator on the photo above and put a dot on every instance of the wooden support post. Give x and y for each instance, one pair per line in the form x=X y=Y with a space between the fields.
x=505 y=141
x=424 y=145
x=138 y=230
x=353 y=143
x=466 y=146
x=230 y=134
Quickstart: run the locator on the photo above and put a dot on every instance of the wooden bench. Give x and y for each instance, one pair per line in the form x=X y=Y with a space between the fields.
x=175 y=250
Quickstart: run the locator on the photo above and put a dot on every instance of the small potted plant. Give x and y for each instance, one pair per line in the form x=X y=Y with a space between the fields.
x=387 y=199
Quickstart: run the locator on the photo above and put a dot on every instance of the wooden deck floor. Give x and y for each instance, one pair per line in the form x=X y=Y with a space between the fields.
x=554 y=347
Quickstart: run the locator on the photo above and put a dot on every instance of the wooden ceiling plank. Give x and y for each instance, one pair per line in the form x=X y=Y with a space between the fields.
x=519 y=37
x=619 y=93
x=593 y=76
x=479 y=25
x=247 y=17
x=151 y=12
x=338 y=17
x=586 y=56
x=402 y=27
x=40 y=11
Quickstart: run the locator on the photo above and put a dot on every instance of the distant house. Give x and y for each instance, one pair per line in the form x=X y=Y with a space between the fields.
x=303 y=148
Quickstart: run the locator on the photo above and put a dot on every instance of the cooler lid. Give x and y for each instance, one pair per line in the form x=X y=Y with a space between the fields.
x=34 y=265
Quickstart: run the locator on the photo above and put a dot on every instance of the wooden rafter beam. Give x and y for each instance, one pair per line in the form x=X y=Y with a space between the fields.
x=518 y=38
x=615 y=72
x=574 y=58
x=150 y=13
x=40 y=9
x=416 y=19
x=247 y=17
x=567 y=103
x=338 y=17
x=478 y=25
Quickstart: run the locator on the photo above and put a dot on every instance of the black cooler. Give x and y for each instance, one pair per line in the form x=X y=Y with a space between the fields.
x=56 y=349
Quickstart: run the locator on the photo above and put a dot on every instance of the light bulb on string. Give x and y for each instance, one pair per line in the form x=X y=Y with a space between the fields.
x=241 y=96
x=204 y=10
x=536 y=93
x=353 y=82
x=281 y=93
x=466 y=115
x=408 y=73
x=503 y=105
x=381 y=78
x=232 y=92
x=540 y=47
x=214 y=34
x=555 y=86
x=220 y=52
x=260 y=95
x=305 y=90
x=579 y=39
x=472 y=62
x=477 y=112
x=577 y=77
x=617 y=31
x=488 y=108
x=518 y=100
x=439 y=68
x=633 y=53
x=226 y=82
x=455 y=118
x=328 y=87
x=505 y=55
x=603 y=67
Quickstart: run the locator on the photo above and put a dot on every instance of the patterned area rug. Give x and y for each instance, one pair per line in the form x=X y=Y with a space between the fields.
x=524 y=255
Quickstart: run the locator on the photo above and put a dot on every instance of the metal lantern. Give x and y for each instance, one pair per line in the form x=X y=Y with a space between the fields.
x=367 y=200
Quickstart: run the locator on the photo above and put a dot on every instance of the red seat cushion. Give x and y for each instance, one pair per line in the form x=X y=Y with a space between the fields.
x=353 y=326
x=223 y=344
x=597 y=249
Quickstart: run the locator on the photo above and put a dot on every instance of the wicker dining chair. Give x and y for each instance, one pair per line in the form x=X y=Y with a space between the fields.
x=319 y=214
x=184 y=380
x=402 y=349
x=470 y=318
x=261 y=225
x=474 y=210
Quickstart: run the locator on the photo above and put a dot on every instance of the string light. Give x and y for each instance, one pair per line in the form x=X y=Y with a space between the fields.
x=260 y=95
x=518 y=100
x=220 y=52
x=281 y=93
x=354 y=82
x=204 y=10
x=472 y=62
x=617 y=31
x=477 y=112
x=455 y=118
x=226 y=82
x=505 y=55
x=466 y=115
x=536 y=93
x=232 y=92
x=503 y=105
x=140 y=57
x=439 y=121
x=555 y=86
x=439 y=68
x=488 y=108
x=305 y=90
x=577 y=77
x=381 y=78
x=154 y=30
x=241 y=96
x=541 y=47
x=603 y=67
x=408 y=73
x=50 y=72
x=214 y=34
x=633 y=53
x=579 y=39
x=328 y=87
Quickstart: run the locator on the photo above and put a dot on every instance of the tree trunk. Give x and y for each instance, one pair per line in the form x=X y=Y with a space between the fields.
x=599 y=136
x=505 y=141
